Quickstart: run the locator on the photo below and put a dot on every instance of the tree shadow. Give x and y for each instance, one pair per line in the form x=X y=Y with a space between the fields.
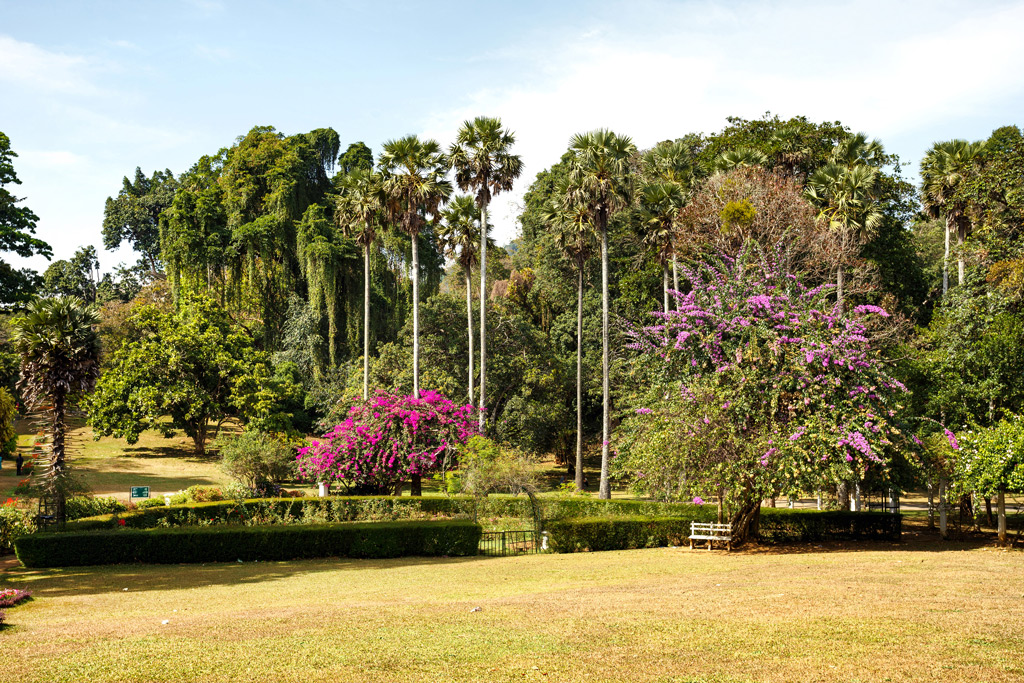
x=140 y=578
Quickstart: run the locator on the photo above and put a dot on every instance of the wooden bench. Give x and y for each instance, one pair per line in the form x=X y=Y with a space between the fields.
x=711 y=532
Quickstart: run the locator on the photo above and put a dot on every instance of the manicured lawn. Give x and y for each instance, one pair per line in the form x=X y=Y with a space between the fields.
x=915 y=611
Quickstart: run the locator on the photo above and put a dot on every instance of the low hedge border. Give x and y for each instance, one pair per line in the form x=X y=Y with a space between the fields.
x=247 y=543
x=776 y=526
x=377 y=508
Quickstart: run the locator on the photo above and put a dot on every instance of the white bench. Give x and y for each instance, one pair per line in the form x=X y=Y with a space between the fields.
x=711 y=532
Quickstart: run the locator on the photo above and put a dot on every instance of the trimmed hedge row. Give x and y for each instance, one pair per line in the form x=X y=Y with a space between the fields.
x=378 y=508
x=248 y=543
x=776 y=526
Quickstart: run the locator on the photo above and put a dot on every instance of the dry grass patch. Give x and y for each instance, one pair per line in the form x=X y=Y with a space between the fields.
x=918 y=612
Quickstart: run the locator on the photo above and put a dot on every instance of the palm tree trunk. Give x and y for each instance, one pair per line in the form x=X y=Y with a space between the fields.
x=579 y=379
x=605 y=490
x=469 y=326
x=483 y=316
x=366 y=321
x=675 y=273
x=415 y=316
x=839 y=288
x=664 y=285
x=945 y=260
x=57 y=455
x=960 y=235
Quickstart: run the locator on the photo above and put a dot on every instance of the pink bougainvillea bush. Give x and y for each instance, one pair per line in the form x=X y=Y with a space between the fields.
x=760 y=384
x=385 y=441
x=9 y=597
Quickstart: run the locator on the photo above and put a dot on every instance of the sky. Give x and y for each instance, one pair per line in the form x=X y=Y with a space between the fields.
x=90 y=91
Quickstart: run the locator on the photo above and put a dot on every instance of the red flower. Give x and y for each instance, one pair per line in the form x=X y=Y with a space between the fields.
x=121 y=522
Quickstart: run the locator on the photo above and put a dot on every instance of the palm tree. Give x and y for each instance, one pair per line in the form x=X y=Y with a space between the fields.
x=660 y=203
x=413 y=181
x=360 y=206
x=483 y=163
x=857 y=149
x=943 y=171
x=671 y=162
x=793 y=150
x=845 y=196
x=600 y=179
x=573 y=230
x=60 y=350
x=460 y=233
x=739 y=157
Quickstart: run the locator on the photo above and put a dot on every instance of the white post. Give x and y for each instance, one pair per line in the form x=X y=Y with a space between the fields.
x=167 y=499
x=819 y=499
x=322 y=489
x=790 y=502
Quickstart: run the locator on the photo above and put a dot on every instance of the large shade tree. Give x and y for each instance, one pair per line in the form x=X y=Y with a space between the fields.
x=60 y=350
x=484 y=164
x=17 y=234
x=600 y=178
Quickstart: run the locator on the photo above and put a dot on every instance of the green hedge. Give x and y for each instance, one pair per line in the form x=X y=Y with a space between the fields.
x=620 y=533
x=247 y=543
x=782 y=525
x=377 y=508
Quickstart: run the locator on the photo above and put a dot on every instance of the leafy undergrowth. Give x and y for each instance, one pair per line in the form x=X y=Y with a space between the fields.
x=918 y=610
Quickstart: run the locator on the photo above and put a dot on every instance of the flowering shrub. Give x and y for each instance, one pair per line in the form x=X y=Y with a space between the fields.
x=13 y=523
x=386 y=440
x=992 y=459
x=760 y=384
x=9 y=597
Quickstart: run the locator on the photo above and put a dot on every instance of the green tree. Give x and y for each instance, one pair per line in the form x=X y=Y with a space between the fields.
x=17 y=227
x=357 y=157
x=671 y=163
x=194 y=366
x=415 y=187
x=77 y=276
x=600 y=178
x=483 y=163
x=60 y=350
x=134 y=215
x=360 y=208
x=943 y=170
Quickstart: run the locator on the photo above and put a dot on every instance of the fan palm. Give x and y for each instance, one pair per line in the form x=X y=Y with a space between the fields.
x=846 y=201
x=483 y=163
x=793 y=150
x=460 y=233
x=943 y=171
x=359 y=209
x=671 y=162
x=59 y=349
x=600 y=179
x=857 y=149
x=739 y=157
x=412 y=172
x=660 y=203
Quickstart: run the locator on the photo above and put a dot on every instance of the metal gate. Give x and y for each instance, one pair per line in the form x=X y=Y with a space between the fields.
x=505 y=543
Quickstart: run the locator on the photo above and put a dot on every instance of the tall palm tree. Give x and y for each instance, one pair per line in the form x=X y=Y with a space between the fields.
x=483 y=163
x=360 y=206
x=60 y=350
x=660 y=203
x=793 y=150
x=460 y=232
x=573 y=230
x=412 y=172
x=943 y=171
x=846 y=200
x=671 y=162
x=601 y=179
x=858 y=149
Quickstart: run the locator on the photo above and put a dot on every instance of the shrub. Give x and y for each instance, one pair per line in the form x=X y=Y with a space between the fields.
x=620 y=533
x=255 y=458
x=13 y=523
x=787 y=526
x=151 y=503
x=231 y=543
x=9 y=597
x=203 y=494
x=88 y=506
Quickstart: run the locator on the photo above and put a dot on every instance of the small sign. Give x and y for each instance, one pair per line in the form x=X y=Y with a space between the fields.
x=140 y=492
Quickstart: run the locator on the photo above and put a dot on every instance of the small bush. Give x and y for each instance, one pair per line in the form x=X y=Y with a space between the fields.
x=13 y=523
x=621 y=533
x=782 y=525
x=151 y=503
x=255 y=459
x=87 y=506
x=9 y=597
x=265 y=543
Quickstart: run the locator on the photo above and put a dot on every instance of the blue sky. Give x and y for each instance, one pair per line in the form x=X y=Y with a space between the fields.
x=89 y=91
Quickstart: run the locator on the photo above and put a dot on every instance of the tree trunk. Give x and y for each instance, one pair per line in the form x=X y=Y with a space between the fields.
x=931 y=504
x=199 y=439
x=415 y=316
x=58 y=432
x=988 y=510
x=605 y=490
x=839 y=288
x=675 y=273
x=469 y=326
x=960 y=236
x=579 y=379
x=843 y=495
x=415 y=486
x=664 y=285
x=942 y=506
x=1001 y=509
x=483 y=316
x=366 y=321
x=945 y=258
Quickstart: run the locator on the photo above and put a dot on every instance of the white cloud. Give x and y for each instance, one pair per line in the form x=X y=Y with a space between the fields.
x=30 y=66
x=668 y=69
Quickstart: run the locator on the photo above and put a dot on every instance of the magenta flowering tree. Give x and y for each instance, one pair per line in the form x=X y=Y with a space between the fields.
x=387 y=440
x=760 y=385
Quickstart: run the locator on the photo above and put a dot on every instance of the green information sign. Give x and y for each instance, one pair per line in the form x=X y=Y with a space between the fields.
x=140 y=492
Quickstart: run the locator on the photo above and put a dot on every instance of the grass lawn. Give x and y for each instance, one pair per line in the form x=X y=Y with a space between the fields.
x=914 y=611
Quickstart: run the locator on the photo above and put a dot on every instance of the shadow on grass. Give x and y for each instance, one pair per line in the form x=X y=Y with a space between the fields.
x=138 y=578
x=165 y=452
